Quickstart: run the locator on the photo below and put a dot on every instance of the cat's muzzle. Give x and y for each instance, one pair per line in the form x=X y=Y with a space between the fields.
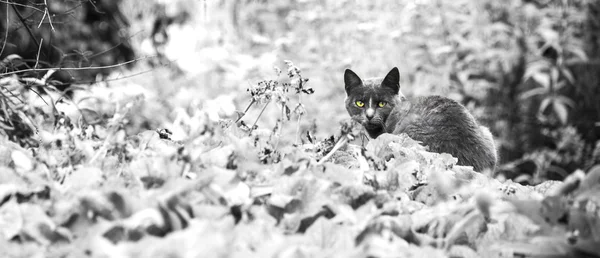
x=371 y=125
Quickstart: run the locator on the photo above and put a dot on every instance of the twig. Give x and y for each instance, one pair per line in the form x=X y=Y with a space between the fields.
x=121 y=77
x=40 y=96
x=5 y=110
x=37 y=57
x=297 y=130
x=337 y=146
x=5 y=33
x=42 y=19
x=281 y=125
x=299 y=118
x=25 y=25
x=245 y=111
x=77 y=68
x=258 y=117
x=21 y=5
x=104 y=51
x=46 y=12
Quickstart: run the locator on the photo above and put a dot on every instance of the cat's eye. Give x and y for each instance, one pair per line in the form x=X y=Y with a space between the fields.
x=359 y=103
x=382 y=104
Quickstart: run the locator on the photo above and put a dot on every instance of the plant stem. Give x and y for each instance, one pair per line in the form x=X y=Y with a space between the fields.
x=299 y=117
x=245 y=111
x=281 y=125
x=22 y=20
x=337 y=146
x=258 y=117
x=297 y=130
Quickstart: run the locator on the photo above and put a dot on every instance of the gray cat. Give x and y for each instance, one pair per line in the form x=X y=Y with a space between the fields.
x=441 y=124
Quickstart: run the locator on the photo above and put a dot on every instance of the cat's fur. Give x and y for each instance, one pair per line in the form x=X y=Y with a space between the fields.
x=442 y=124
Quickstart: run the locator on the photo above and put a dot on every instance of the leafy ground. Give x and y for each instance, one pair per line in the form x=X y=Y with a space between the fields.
x=220 y=155
x=87 y=187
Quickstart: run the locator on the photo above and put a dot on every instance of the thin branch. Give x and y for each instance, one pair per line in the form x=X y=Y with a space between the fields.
x=6 y=114
x=297 y=130
x=5 y=33
x=42 y=19
x=260 y=114
x=37 y=57
x=245 y=111
x=42 y=98
x=21 y=5
x=299 y=118
x=78 y=68
x=281 y=125
x=121 y=77
x=48 y=12
x=104 y=51
x=25 y=25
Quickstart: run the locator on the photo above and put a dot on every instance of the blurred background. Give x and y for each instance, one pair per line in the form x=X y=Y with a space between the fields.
x=527 y=69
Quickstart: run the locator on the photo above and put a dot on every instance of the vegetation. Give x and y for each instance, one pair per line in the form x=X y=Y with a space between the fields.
x=182 y=128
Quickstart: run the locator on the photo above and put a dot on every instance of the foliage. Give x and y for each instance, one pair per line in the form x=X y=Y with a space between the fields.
x=521 y=67
x=91 y=188
x=83 y=175
x=64 y=34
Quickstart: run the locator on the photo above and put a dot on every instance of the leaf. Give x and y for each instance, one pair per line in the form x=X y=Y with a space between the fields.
x=339 y=174
x=308 y=91
x=565 y=100
x=583 y=215
x=39 y=227
x=542 y=79
x=388 y=145
x=533 y=92
x=260 y=190
x=90 y=116
x=560 y=110
x=238 y=193
x=577 y=51
x=23 y=162
x=83 y=178
x=441 y=50
x=537 y=247
x=530 y=208
x=537 y=67
x=462 y=251
x=567 y=74
x=554 y=73
x=544 y=104
x=590 y=181
x=11 y=221
x=327 y=234
x=287 y=111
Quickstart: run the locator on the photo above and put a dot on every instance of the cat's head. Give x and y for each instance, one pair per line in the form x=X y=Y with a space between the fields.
x=371 y=101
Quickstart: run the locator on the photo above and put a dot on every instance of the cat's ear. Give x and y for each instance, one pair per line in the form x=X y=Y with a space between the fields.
x=351 y=80
x=392 y=80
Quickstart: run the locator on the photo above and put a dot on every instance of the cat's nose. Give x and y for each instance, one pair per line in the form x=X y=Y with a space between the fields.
x=370 y=113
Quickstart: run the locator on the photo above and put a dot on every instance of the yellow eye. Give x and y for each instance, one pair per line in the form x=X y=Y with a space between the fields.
x=382 y=104
x=359 y=103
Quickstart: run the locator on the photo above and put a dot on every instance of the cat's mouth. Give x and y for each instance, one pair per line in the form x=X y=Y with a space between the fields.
x=372 y=126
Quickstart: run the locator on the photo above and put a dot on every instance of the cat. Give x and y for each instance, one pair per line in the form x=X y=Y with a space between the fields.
x=440 y=123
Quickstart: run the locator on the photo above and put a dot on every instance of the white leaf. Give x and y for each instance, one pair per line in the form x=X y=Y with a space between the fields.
x=561 y=111
x=22 y=161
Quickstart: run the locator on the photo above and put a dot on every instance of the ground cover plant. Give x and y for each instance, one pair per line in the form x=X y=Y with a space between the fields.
x=226 y=136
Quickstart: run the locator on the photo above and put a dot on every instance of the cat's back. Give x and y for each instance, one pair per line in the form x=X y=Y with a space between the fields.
x=445 y=125
x=427 y=115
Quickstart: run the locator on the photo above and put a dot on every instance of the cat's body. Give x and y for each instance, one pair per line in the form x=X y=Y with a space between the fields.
x=442 y=124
